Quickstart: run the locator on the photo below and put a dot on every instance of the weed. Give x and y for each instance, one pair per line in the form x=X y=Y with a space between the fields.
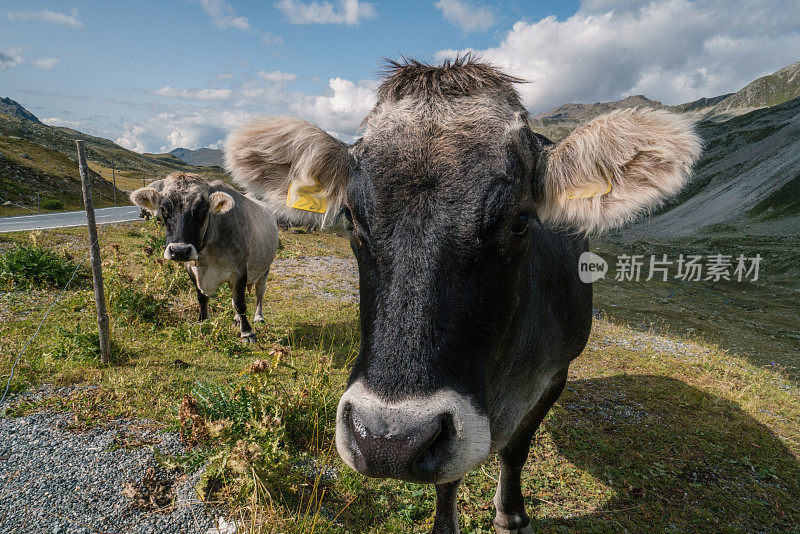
x=126 y=298
x=32 y=266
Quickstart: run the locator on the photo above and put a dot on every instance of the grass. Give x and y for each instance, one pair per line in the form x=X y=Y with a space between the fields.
x=653 y=433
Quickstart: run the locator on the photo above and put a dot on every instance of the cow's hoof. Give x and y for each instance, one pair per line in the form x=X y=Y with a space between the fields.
x=509 y=524
x=258 y=319
x=527 y=529
x=248 y=338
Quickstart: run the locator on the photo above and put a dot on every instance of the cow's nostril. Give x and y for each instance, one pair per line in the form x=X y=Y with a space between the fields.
x=433 y=453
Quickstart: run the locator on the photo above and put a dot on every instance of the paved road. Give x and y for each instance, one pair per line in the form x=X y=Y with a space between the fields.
x=67 y=218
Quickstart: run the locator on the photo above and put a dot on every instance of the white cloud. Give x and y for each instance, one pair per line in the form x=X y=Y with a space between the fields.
x=46 y=63
x=467 y=16
x=277 y=76
x=45 y=15
x=55 y=121
x=11 y=57
x=342 y=110
x=204 y=95
x=674 y=50
x=187 y=128
x=270 y=40
x=348 y=12
x=223 y=16
x=181 y=123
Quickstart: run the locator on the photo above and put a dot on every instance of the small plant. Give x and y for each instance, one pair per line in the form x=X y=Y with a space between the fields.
x=52 y=204
x=154 y=237
x=76 y=344
x=34 y=266
x=126 y=298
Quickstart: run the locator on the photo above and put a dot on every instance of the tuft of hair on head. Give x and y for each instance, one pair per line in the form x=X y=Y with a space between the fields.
x=464 y=75
x=614 y=168
x=184 y=177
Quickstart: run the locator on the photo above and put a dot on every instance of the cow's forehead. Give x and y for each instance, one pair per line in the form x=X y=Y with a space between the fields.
x=458 y=148
x=184 y=189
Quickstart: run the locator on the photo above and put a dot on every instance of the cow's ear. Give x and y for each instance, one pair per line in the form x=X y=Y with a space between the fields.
x=273 y=155
x=613 y=168
x=146 y=197
x=219 y=202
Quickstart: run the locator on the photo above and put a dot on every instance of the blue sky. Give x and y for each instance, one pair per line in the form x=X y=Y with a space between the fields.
x=157 y=75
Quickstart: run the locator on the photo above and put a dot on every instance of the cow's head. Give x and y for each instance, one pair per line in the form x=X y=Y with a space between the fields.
x=185 y=203
x=441 y=193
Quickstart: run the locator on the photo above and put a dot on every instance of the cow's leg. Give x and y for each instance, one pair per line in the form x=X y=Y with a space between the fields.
x=202 y=298
x=511 y=517
x=240 y=306
x=446 y=520
x=261 y=285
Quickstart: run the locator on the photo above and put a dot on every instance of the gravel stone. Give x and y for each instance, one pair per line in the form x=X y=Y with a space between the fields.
x=67 y=482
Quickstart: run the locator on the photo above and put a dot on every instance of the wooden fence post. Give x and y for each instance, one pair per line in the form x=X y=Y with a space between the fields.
x=94 y=250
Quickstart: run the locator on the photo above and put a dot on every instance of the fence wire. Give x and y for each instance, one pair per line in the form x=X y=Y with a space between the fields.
x=41 y=323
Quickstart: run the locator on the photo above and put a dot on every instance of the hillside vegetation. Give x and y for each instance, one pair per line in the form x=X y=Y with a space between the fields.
x=36 y=157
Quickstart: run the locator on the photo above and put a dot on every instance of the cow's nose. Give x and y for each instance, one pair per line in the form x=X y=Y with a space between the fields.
x=410 y=451
x=180 y=252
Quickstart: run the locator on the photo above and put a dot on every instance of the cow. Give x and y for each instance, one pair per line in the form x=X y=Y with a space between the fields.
x=220 y=234
x=467 y=228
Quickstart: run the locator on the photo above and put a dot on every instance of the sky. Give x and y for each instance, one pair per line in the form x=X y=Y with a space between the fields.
x=154 y=76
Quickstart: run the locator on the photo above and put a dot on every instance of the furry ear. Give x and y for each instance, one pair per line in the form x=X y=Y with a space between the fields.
x=219 y=203
x=614 y=167
x=147 y=197
x=272 y=156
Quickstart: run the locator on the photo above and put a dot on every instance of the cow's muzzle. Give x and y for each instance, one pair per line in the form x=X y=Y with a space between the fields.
x=180 y=252
x=432 y=439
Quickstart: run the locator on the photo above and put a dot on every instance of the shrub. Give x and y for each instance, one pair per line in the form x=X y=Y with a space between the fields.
x=52 y=204
x=34 y=266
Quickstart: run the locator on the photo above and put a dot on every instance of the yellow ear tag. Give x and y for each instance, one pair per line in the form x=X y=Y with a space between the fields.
x=590 y=189
x=307 y=197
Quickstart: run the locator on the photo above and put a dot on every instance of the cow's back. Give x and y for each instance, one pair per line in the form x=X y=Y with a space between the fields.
x=246 y=234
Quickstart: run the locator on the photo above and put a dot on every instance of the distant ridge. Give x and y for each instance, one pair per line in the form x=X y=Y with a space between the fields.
x=203 y=157
x=12 y=108
x=582 y=112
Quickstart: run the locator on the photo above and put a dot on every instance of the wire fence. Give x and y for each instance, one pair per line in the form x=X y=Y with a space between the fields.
x=41 y=323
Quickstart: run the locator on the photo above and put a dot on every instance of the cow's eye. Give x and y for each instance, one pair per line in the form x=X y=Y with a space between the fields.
x=521 y=223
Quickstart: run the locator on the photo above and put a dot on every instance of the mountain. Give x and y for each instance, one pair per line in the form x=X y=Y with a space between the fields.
x=12 y=108
x=36 y=158
x=766 y=91
x=747 y=179
x=204 y=157
x=771 y=90
x=585 y=112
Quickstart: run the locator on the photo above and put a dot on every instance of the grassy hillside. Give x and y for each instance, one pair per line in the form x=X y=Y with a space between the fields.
x=27 y=169
x=52 y=165
x=653 y=433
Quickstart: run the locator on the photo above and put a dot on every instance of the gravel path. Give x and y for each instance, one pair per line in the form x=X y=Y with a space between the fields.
x=105 y=479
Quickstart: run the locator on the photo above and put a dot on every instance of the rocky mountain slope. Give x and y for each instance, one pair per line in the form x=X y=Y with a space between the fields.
x=203 y=157
x=747 y=179
x=12 y=108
